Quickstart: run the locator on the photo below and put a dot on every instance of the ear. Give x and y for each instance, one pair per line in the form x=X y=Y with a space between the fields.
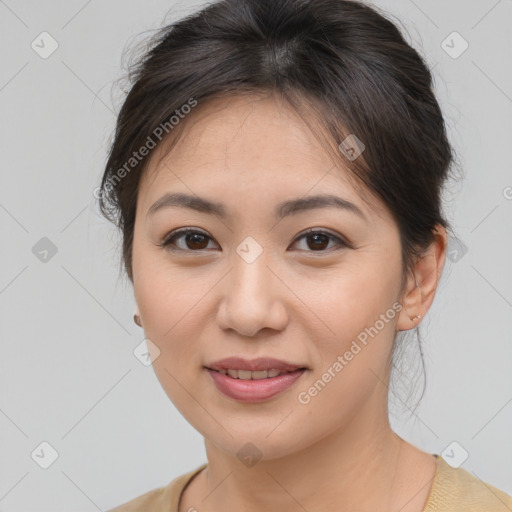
x=421 y=286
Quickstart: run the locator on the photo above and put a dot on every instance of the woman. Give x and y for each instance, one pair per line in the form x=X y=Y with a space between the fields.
x=277 y=172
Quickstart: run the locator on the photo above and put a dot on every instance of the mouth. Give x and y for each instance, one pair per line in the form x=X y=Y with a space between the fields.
x=254 y=380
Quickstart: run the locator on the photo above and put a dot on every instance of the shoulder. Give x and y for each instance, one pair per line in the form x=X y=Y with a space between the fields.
x=457 y=489
x=162 y=499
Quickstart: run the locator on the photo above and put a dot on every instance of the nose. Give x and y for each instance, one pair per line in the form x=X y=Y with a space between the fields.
x=253 y=298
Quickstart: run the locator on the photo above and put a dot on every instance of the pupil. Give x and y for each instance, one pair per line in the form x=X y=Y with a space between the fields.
x=316 y=237
x=196 y=240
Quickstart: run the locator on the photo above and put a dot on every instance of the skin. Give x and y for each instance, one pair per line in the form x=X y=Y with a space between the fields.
x=294 y=302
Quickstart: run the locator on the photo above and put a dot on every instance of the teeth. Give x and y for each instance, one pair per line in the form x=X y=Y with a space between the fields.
x=244 y=374
x=262 y=374
x=249 y=375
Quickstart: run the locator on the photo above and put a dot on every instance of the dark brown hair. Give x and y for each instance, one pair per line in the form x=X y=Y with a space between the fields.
x=342 y=63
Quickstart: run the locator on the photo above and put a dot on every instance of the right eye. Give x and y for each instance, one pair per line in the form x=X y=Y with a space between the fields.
x=193 y=240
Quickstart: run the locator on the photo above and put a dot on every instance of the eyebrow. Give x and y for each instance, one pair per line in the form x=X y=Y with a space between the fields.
x=285 y=209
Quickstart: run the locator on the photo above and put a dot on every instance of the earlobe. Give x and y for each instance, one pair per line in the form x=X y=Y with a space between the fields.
x=422 y=283
x=413 y=306
x=136 y=318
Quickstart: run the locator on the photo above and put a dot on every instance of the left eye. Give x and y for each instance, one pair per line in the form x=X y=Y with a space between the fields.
x=319 y=240
x=194 y=240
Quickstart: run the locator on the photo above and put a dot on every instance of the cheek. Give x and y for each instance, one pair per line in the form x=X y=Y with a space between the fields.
x=160 y=296
x=170 y=302
x=354 y=327
x=343 y=301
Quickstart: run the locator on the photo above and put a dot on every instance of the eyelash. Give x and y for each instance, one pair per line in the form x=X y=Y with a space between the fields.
x=174 y=235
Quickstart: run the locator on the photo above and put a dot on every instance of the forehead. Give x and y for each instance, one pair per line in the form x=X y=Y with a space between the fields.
x=247 y=143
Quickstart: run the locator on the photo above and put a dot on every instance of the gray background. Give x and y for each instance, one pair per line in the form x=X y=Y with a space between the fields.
x=68 y=373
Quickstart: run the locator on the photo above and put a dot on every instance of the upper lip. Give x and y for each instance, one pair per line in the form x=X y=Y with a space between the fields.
x=259 y=364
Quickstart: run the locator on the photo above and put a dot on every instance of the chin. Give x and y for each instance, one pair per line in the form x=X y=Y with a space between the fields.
x=251 y=446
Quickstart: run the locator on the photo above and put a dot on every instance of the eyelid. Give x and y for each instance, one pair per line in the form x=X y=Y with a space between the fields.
x=322 y=231
x=184 y=230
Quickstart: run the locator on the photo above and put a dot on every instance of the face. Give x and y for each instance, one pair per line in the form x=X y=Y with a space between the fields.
x=312 y=284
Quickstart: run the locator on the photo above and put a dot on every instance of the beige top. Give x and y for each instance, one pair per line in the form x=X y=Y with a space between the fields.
x=453 y=490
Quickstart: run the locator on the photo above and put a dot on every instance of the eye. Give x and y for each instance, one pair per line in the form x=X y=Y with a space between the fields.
x=193 y=240
x=319 y=240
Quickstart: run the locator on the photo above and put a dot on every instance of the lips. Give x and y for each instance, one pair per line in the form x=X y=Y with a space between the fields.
x=253 y=365
x=254 y=390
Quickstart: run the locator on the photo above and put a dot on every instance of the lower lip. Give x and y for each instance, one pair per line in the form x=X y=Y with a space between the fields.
x=256 y=390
